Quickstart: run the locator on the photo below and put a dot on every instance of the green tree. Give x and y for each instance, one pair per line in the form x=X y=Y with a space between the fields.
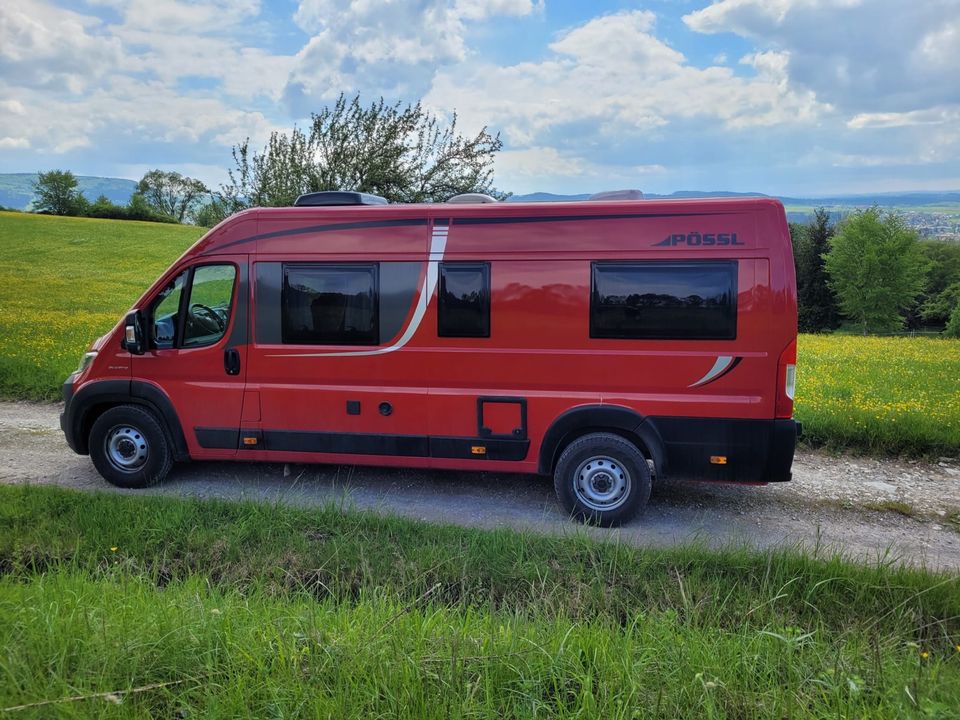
x=56 y=193
x=953 y=324
x=940 y=294
x=212 y=212
x=400 y=152
x=877 y=269
x=173 y=194
x=817 y=305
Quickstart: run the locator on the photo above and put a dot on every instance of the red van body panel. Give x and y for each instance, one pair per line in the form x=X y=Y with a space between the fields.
x=509 y=401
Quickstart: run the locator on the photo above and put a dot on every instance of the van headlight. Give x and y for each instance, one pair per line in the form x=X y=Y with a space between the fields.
x=86 y=360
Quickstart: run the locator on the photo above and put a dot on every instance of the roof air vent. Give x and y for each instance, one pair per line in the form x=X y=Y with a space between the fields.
x=617 y=195
x=338 y=197
x=465 y=198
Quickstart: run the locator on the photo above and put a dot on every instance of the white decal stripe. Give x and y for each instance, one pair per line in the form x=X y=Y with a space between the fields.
x=438 y=243
x=719 y=366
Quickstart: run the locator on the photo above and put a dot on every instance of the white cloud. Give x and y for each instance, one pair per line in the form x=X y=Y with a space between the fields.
x=390 y=49
x=616 y=75
x=932 y=116
x=14 y=143
x=189 y=18
x=49 y=47
x=876 y=56
x=14 y=107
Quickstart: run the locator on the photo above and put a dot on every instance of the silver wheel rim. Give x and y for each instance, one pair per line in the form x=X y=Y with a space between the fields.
x=126 y=448
x=601 y=483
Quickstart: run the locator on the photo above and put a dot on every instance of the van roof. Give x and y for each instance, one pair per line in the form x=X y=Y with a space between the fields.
x=238 y=226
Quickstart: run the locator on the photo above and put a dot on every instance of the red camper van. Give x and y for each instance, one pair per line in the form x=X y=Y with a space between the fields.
x=598 y=342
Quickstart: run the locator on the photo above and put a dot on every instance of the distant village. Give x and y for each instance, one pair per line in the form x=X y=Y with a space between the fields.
x=934 y=225
x=929 y=225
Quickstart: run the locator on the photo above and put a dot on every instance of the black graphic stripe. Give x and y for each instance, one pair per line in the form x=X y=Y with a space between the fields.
x=729 y=369
x=329 y=227
x=574 y=218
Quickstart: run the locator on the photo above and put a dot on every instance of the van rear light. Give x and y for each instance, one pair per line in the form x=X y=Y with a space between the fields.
x=786 y=381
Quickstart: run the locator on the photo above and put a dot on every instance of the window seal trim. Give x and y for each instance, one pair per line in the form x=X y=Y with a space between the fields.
x=729 y=262
x=484 y=266
x=374 y=265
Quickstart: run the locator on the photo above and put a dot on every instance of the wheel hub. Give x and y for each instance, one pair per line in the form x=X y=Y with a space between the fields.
x=126 y=448
x=602 y=483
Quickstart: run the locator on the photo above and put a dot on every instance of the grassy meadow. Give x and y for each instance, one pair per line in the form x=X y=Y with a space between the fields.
x=212 y=609
x=880 y=394
x=65 y=281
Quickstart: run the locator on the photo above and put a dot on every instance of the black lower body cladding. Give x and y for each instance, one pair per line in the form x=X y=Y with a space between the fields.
x=755 y=450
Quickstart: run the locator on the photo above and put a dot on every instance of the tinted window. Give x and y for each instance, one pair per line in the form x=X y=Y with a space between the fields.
x=329 y=304
x=694 y=300
x=464 y=305
x=208 y=310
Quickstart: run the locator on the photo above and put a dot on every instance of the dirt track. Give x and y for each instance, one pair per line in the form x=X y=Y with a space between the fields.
x=827 y=506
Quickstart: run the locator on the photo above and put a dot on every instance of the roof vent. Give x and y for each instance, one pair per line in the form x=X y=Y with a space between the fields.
x=617 y=195
x=338 y=197
x=464 y=198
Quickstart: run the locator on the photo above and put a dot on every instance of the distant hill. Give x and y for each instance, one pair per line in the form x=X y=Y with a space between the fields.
x=16 y=189
x=901 y=199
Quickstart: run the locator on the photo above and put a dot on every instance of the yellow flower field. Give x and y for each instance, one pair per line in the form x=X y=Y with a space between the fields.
x=884 y=394
x=65 y=281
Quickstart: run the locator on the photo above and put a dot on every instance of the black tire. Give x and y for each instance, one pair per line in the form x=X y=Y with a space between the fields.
x=129 y=447
x=602 y=479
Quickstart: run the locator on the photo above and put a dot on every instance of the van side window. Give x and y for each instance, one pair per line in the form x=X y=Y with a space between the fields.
x=330 y=304
x=463 y=308
x=204 y=318
x=694 y=300
x=208 y=309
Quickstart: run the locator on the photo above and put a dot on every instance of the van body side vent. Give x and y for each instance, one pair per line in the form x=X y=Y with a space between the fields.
x=338 y=197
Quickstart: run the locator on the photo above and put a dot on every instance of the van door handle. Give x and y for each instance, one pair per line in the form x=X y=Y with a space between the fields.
x=231 y=361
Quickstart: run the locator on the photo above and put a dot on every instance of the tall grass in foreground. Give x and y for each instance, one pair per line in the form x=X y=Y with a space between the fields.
x=243 y=609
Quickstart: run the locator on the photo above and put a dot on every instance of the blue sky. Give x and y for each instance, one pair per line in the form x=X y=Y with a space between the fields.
x=789 y=97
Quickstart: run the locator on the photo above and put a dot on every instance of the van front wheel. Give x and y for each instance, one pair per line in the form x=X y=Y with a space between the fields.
x=602 y=479
x=129 y=447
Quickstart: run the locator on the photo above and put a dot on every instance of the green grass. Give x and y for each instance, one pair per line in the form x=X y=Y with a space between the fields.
x=884 y=395
x=895 y=506
x=66 y=281
x=275 y=612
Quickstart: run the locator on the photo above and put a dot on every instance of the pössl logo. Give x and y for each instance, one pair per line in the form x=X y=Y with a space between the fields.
x=696 y=239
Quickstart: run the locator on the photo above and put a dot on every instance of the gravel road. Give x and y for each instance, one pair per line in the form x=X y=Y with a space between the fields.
x=830 y=505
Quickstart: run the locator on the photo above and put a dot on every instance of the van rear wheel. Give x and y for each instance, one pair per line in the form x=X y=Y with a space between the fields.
x=129 y=447
x=602 y=479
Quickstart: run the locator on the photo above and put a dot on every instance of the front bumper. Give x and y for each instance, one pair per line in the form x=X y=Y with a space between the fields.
x=67 y=423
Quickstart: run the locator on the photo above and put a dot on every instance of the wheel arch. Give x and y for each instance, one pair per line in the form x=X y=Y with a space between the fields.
x=95 y=398
x=617 y=419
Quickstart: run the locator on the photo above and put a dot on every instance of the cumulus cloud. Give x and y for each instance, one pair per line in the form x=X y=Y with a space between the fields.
x=614 y=74
x=49 y=47
x=390 y=49
x=877 y=56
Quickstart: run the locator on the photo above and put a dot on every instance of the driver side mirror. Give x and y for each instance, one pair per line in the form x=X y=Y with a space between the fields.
x=133 y=338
